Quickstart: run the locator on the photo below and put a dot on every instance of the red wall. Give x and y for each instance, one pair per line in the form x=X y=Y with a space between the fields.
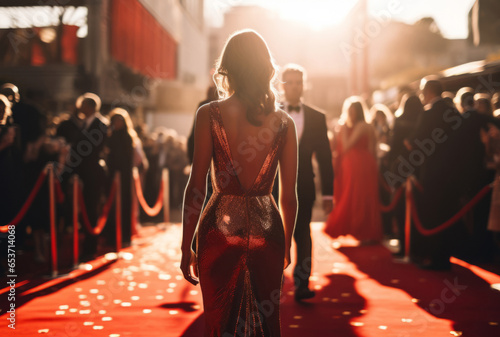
x=140 y=42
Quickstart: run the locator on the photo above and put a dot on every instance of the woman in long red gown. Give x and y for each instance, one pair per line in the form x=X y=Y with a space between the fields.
x=356 y=201
x=243 y=240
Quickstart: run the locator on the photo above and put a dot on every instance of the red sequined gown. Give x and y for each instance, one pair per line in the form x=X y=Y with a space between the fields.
x=241 y=244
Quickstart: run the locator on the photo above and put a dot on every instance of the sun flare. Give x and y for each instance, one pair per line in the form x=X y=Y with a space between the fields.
x=317 y=14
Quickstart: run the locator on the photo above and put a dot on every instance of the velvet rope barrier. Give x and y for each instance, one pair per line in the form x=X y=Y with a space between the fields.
x=151 y=211
x=394 y=202
x=59 y=192
x=101 y=221
x=28 y=202
x=452 y=220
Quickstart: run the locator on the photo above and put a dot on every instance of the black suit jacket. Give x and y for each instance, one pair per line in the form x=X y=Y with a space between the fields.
x=473 y=153
x=439 y=166
x=314 y=141
x=88 y=147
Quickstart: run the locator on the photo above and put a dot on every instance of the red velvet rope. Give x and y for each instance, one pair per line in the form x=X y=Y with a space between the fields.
x=394 y=202
x=59 y=191
x=101 y=221
x=27 y=203
x=151 y=211
x=449 y=222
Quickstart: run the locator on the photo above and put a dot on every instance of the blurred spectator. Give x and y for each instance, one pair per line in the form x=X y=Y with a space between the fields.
x=475 y=174
x=495 y=101
x=32 y=123
x=482 y=103
x=448 y=98
x=356 y=178
x=9 y=163
x=407 y=115
x=464 y=99
x=70 y=127
x=120 y=158
x=491 y=140
x=437 y=153
x=381 y=119
x=87 y=153
x=177 y=160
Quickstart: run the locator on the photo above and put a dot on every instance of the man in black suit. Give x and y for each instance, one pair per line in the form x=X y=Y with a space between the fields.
x=435 y=145
x=474 y=171
x=86 y=154
x=313 y=140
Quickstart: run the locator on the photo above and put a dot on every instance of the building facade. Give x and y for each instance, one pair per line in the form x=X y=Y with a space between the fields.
x=149 y=56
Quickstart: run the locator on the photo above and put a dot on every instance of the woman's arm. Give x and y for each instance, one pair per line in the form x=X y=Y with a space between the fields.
x=194 y=195
x=288 y=186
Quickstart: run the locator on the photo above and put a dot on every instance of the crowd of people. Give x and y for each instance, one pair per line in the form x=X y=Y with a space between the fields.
x=448 y=142
x=92 y=146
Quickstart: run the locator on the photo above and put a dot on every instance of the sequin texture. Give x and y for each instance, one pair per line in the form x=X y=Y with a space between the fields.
x=240 y=244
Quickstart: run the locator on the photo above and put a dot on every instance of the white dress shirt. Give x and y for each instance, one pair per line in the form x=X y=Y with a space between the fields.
x=298 y=118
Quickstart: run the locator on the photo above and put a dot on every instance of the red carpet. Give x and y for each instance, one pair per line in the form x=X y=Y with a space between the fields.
x=360 y=292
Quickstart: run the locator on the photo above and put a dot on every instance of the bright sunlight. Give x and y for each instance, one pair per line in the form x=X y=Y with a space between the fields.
x=317 y=14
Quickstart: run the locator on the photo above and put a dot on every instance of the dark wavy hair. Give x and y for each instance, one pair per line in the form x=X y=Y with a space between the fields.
x=247 y=70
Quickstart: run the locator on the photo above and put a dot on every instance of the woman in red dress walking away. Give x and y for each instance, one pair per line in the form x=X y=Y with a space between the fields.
x=242 y=239
x=356 y=201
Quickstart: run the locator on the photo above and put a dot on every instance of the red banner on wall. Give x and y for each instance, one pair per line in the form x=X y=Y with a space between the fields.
x=140 y=42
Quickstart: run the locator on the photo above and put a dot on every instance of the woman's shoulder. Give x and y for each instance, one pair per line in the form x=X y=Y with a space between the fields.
x=285 y=117
x=203 y=114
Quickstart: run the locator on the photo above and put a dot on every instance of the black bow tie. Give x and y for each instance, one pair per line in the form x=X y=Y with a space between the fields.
x=294 y=108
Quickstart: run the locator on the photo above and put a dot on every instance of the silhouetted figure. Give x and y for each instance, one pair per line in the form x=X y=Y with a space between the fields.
x=120 y=154
x=398 y=157
x=84 y=157
x=434 y=147
x=381 y=119
x=483 y=104
x=69 y=128
x=32 y=123
x=491 y=140
x=477 y=118
x=10 y=153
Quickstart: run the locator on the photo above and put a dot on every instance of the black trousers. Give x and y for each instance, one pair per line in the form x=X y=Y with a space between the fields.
x=302 y=237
